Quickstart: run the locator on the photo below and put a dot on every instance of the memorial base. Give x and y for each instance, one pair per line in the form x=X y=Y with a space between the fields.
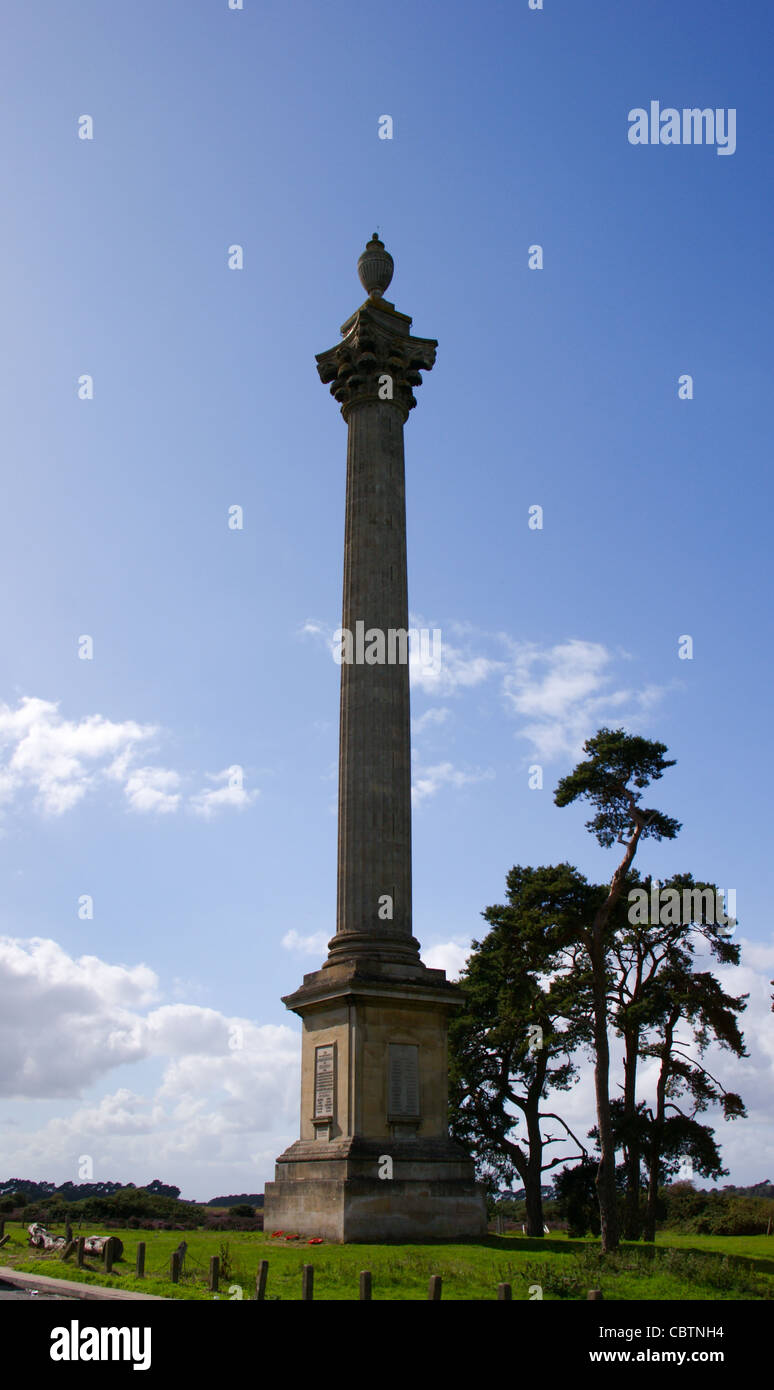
x=374 y=1161
x=426 y=1192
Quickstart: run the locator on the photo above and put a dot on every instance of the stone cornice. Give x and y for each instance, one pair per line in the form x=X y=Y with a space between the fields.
x=376 y=344
x=426 y=988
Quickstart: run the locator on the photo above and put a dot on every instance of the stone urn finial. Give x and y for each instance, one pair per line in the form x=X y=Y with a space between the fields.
x=375 y=267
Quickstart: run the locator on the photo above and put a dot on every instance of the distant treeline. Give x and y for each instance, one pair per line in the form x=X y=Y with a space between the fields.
x=94 y=1202
x=741 y=1211
x=757 y=1189
x=28 y=1191
x=726 y=1211
x=158 y=1204
x=78 y=1192
x=241 y=1199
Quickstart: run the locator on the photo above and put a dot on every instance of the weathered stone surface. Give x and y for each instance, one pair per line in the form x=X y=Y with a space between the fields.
x=366 y=1210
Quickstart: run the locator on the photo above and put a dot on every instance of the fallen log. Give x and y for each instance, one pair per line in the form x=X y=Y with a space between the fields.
x=95 y=1245
x=42 y=1239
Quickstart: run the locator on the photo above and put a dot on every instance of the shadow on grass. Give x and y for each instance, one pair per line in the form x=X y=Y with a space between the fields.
x=751 y=1262
x=536 y=1244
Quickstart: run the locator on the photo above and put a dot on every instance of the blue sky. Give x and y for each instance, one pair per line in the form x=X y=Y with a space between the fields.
x=556 y=387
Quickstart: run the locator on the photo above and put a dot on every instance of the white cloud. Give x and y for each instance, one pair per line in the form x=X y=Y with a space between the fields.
x=152 y=789
x=429 y=780
x=759 y=956
x=316 y=944
x=232 y=794
x=565 y=692
x=65 y=1022
x=566 y=673
x=448 y=955
x=321 y=633
x=458 y=669
x=227 y=1097
x=58 y=761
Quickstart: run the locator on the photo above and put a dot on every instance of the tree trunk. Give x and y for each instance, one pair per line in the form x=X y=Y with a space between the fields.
x=606 y=1193
x=605 y=1183
x=632 y=1222
x=654 y=1151
x=533 y=1196
x=533 y=1199
x=649 y=1227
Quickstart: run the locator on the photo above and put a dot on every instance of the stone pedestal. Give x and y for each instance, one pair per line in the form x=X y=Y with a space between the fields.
x=374 y=1161
x=335 y=1201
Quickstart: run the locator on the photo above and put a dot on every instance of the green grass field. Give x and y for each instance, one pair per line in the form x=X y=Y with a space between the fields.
x=678 y=1267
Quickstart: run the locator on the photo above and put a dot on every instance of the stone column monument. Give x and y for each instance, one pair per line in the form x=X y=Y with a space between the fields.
x=374 y=1160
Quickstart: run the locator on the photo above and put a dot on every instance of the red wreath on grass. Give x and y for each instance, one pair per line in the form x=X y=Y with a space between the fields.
x=295 y=1237
x=315 y=1240
x=274 y=1234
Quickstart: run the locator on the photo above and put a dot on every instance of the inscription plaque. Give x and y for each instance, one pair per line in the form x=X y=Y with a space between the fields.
x=404 y=1079
x=324 y=1076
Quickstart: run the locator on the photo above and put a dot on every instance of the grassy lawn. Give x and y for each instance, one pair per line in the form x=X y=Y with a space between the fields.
x=678 y=1267
x=758 y=1249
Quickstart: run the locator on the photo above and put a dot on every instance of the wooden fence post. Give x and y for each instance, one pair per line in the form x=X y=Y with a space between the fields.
x=214 y=1273
x=307 y=1283
x=81 y=1251
x=108 y=1255
x=2 y=1228
x=505 y=1291
x=434 y=1291
x=365 y=1284
x=174 y=1266
x=260 y=1281
x=594 y=1293
x=141 y=1260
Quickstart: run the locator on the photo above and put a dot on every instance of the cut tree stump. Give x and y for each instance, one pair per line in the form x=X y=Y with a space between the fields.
x=95 y=1245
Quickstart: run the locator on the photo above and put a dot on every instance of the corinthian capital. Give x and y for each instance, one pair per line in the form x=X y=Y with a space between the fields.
x=377 y=358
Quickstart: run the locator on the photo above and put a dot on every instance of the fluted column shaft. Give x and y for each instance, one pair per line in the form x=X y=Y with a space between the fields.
x=374 y=866
x=373 y=372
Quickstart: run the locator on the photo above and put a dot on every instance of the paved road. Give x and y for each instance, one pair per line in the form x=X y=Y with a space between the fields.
x=8 y=1291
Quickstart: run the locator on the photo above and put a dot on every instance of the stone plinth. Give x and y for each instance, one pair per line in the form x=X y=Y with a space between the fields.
x=378 y=1163
x=433 y=1199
